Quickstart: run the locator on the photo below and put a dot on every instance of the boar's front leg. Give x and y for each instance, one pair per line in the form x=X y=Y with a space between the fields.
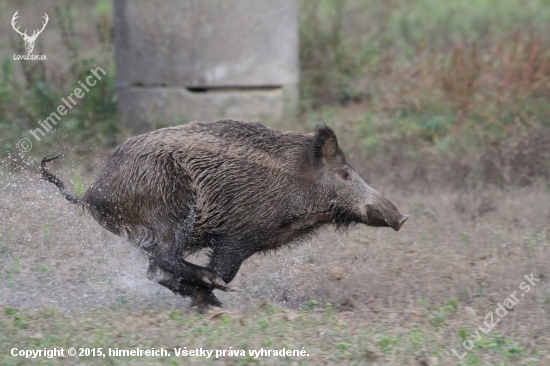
x=226 y=260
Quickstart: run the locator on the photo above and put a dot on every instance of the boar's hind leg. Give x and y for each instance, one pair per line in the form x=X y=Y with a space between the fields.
x=226 y=263
x=171 y=261
x=200 y=295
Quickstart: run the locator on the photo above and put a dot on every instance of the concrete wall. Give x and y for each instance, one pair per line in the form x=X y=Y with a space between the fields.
x=183 y=60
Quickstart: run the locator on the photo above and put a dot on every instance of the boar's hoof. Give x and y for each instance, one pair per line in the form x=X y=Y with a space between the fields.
x=213 y=280
x=202 y=300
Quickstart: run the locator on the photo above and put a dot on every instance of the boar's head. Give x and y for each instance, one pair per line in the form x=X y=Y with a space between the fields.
x=349 y=198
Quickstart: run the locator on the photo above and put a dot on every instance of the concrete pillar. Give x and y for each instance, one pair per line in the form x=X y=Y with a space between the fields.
x=184 y=60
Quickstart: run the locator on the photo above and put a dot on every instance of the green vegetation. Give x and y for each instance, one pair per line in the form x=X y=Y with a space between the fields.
x=399 y=80
x=451 y=76
x=30 y=91
x=326 y=337
x=412 y=80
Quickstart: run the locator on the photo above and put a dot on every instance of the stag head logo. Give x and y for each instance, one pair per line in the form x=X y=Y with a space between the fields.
x=29 y=40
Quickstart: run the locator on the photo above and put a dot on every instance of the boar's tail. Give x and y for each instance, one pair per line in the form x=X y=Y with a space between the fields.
x=53 y=179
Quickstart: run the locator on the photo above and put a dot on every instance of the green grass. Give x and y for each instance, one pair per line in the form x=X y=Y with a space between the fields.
x=327 y=338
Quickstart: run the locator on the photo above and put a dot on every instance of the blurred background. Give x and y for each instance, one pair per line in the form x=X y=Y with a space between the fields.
x=442 y=106
x=403 y=81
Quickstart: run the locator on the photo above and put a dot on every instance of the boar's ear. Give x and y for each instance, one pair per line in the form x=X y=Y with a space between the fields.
x=326 y=148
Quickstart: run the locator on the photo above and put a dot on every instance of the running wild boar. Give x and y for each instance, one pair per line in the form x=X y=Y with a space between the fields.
x=233 y=188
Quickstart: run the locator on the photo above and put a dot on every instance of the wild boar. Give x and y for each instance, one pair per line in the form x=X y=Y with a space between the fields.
x=233 y=188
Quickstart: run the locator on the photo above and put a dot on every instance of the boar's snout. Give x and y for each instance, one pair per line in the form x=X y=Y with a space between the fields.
x=385 y=214
x=401 y=222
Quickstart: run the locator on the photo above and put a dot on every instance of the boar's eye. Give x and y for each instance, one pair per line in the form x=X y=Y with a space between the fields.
x=346 y=175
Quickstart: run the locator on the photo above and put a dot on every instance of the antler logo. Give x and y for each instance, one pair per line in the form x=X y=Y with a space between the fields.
x=29 y=40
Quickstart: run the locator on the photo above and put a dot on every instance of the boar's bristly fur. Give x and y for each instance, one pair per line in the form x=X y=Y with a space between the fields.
x=234 y=188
